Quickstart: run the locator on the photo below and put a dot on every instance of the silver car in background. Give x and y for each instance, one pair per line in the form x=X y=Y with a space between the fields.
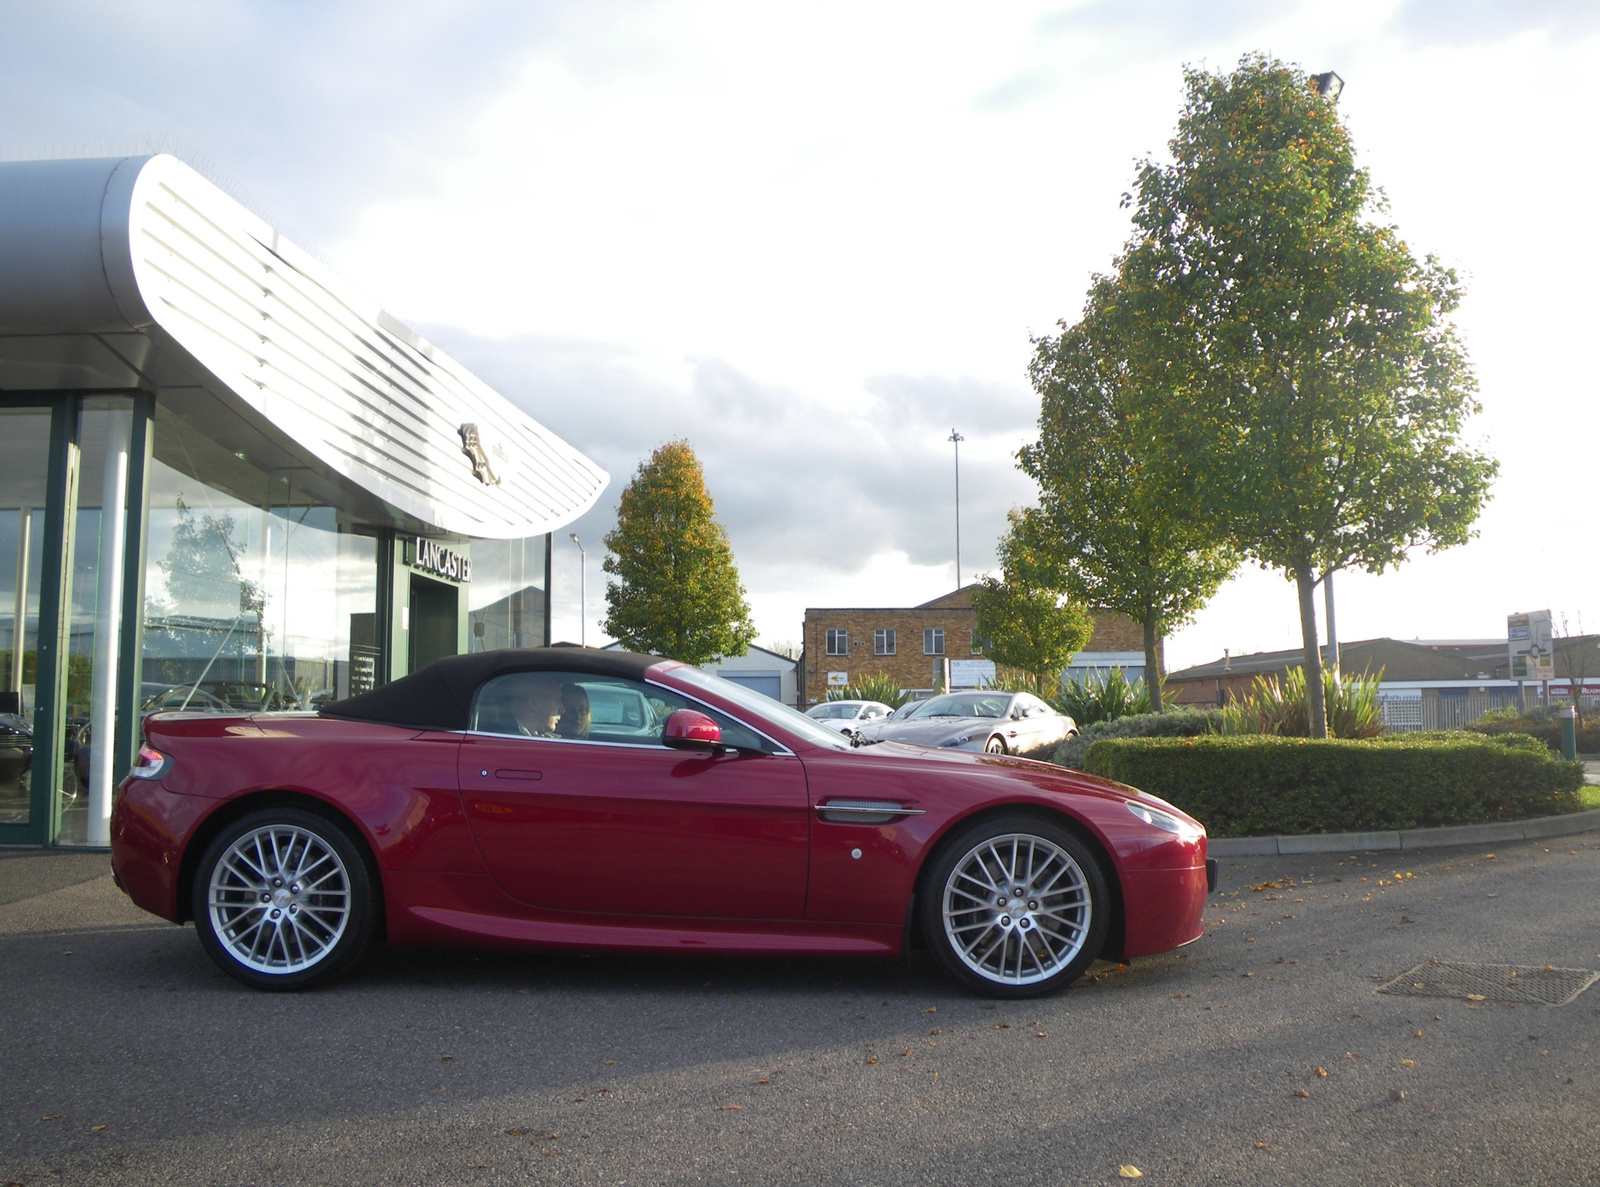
x=989 y=720
x=848 y=717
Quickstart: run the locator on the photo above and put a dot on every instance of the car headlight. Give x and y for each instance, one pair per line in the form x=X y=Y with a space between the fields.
x=1165 y=821
x=961 y=741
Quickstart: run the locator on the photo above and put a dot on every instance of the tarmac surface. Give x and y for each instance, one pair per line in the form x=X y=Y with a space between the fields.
x=1260 y=1054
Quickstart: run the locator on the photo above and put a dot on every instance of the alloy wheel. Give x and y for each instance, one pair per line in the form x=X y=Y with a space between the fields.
x=279 y=899
x=1017 y=909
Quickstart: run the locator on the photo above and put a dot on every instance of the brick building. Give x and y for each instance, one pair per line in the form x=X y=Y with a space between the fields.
x=911 y=644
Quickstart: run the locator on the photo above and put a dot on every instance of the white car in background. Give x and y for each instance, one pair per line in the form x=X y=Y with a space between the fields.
x=848 y=716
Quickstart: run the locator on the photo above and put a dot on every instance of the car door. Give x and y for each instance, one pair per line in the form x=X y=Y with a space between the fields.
x=616 y=822
x=1037 y=723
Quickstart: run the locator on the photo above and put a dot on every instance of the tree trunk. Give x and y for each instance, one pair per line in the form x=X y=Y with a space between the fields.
x=1152 y=664
x=1318 y=709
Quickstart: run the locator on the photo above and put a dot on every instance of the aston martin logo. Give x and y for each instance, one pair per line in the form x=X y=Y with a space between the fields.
x=473 y=448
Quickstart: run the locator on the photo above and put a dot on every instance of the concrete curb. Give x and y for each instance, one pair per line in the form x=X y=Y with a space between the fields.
x=1414 y=838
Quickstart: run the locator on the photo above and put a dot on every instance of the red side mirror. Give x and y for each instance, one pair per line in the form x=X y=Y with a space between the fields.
x=688 y=730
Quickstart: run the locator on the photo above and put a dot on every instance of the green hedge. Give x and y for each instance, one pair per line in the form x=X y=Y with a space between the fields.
x=1542 y=725
x=1171 y=723
x=1244 y=786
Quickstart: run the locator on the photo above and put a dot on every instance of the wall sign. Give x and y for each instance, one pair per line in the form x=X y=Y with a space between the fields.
x=433 y=557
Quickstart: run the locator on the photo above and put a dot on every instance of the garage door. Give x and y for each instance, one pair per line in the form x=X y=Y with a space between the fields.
x=767 y=683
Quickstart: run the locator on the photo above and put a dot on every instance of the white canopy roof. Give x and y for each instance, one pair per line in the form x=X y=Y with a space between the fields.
x=136 y=272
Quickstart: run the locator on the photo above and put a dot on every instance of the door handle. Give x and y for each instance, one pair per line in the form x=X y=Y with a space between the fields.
x=525 y=776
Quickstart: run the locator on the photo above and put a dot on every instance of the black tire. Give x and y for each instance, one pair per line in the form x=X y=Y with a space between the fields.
x=995 y=745
x=1015 y=946
x=269 y=930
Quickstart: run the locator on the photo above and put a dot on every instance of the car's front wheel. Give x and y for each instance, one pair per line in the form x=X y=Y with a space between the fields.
x=995 y=745
x=1015 y=907
x=283 y=900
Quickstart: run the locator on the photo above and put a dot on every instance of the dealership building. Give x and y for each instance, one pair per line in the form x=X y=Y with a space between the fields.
x=228 y=479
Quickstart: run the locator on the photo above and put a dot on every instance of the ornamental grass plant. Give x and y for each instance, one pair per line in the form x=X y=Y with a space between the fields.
x=1283 y=707
x=876 y=687
x=1100 y=698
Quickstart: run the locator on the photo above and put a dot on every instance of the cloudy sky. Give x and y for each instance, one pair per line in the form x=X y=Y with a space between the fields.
x=814 y=238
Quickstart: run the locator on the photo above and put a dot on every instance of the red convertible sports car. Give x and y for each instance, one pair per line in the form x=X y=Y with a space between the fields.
x=569 y=798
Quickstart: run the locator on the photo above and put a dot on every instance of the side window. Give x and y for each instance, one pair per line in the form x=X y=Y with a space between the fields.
x=883 y=641
x=584 y=707
x=837 y=642
x=933 y=641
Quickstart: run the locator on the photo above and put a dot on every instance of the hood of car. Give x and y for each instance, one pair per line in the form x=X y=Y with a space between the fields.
x=931 y=731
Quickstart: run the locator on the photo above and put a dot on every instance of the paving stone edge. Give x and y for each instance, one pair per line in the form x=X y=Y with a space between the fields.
x=1535 y=829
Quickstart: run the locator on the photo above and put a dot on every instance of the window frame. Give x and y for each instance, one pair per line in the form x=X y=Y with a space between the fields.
x=884 y=641
x=836 y=641
x=930 y=636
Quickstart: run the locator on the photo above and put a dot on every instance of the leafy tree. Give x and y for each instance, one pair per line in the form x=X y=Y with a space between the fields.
x=1308 y=391
x=677 y=592
x=1026 y=622
x=1114 y=530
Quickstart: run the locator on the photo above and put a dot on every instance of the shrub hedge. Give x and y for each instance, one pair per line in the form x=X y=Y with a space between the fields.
x=1264 y=785
x=1543 y=725
x=1172 y=723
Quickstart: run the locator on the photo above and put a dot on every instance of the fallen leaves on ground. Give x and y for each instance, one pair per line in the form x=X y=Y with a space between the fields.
x=731 y=1108
x=1129 y=1171
x=1476 y=997
x=1322 y=1072
x=1261 y=1146
x=1396 y=1096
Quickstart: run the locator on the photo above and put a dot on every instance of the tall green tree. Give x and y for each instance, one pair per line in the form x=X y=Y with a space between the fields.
x=1310 y=392
x=676 y=591
x=1108 y=522
x=1023 y=617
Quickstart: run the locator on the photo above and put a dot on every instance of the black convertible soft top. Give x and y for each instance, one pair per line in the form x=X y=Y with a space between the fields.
x=439 y=696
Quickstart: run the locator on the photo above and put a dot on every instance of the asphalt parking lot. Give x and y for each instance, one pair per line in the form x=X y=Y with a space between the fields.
x=1261 y=1054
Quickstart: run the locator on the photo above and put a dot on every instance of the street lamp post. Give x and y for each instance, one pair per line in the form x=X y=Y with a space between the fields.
x=956 y=439
x=583 y=591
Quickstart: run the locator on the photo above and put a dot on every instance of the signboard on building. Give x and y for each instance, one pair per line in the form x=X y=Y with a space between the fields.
x=970 y=673
x=433 y=557
x=1529 y=638
x=838 y=679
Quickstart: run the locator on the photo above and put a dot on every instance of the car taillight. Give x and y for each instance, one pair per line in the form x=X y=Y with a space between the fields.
x=151 y=764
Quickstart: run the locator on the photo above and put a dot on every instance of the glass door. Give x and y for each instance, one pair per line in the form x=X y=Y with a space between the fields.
x=24 y=463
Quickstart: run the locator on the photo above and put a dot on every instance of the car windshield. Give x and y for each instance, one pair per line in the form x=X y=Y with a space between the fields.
x=763 y=707
x=963 y=704
x=831 y=711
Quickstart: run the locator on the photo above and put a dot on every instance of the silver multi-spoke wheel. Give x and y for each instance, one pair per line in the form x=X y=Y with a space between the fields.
x=279 y=899
x=1017 y=909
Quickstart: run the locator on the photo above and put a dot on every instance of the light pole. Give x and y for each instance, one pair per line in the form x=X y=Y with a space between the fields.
x=956 y=439
x=583 y=591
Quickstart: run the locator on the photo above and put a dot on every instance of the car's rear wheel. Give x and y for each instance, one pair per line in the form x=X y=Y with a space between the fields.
x=995 y=745
x=283 y=900
x=1015 y=907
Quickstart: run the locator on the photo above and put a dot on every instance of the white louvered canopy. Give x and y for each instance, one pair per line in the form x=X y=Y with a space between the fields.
x=137 y=272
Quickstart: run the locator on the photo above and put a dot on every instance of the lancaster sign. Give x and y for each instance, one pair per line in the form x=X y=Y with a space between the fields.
x=435 y=558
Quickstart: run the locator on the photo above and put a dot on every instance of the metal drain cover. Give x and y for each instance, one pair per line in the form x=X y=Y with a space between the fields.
x=1538 y=984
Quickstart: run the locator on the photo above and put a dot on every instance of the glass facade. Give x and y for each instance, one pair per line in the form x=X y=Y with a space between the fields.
x=24 y=454
x=180 y=574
